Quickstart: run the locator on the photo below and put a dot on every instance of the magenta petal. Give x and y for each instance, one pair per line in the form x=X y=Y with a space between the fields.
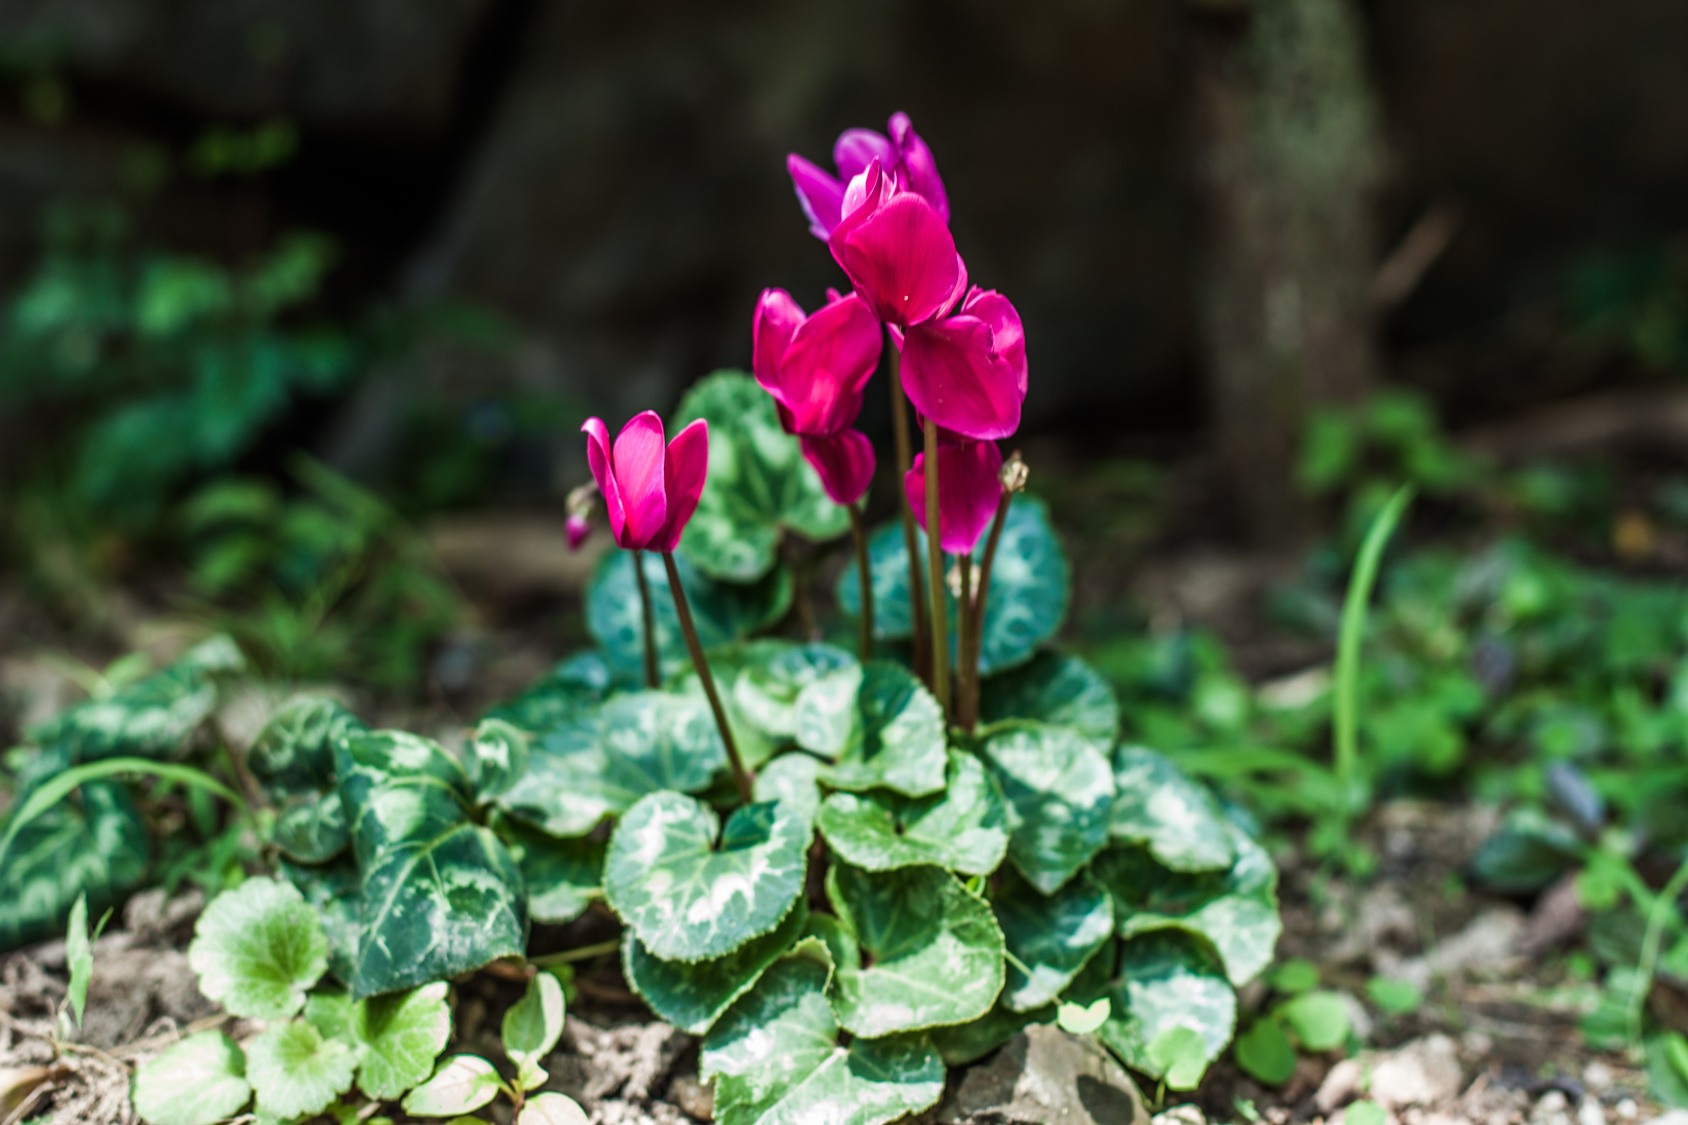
x=844 y=462
x=686 y=467
x=969 y=489
x=1008 y=335
x=830 y=360
x=777 y=319
x=637 y=462
x=857 y=148
x=598 y=458
x=953 y=375
x=902 y=259
x=820 y=195
x=920 y=171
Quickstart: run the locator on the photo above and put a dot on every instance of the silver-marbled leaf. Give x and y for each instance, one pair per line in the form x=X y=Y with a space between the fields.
x=1050 y=937
x=879 y=727
x=693 y=996
x=935 y=950
x=693 y=890
x=775 y=1059
x=1166 y=980
x=1055 y=688
x=1175 y=817
x=598 y=762
x=963 y=828
x=1060 y=788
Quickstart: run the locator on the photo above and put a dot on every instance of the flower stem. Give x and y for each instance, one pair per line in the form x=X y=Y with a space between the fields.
x=693 y=646
x=864 y=575
x=911 y=542
x=649 y=619
x=965 y=679
x=976 y=635
x=935 y=575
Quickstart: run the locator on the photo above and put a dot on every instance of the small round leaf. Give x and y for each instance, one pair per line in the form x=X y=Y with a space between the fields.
x=257 y=949
x=199 y=1080
x=296 y=1072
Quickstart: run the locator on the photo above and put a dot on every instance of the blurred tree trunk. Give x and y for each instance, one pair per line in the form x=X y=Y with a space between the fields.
x=1289 y=160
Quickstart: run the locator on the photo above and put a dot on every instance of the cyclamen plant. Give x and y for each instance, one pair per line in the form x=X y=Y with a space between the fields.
x=841 y=873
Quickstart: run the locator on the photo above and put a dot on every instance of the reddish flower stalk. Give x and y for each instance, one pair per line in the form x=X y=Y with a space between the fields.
x=741 y=777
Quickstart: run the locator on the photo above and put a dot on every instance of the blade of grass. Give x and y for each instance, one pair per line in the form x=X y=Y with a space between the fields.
x=1352 y=635
x=67 y=782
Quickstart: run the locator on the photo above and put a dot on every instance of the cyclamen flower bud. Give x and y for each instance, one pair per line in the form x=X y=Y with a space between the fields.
x=578 y=524
x=1014 y=473
x=650 y=490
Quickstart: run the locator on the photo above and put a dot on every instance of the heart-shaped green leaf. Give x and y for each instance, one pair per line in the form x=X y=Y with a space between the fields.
x=200 y=1080
x=771 y=675
x=879 y=726
x=1049 y=938
x=497 y=756
x=1175 y=817
x=775 y=1060
x=312 y=829
x=403 y=1033
x=257 y=949
x=935 y=946
x=577 y=683
x=293 y=754
x=296 y=1072
x=693 y=891
x=440 y=895
x=1029 y=592
x=1057 y=689
x=1061 y=789
x=93 y=843
x=1165 y=980
x=693 y=996
x=462 y=1084
x=600 y=761
x=724 y=612
x=795 y=779
x=963 y=828
x=759 y=484
x=1236 y=910
x=150 y=718
x=563 y=877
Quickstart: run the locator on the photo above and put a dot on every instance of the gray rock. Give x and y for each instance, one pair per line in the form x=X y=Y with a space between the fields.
x=1424 y=1072
x=1043 y=1076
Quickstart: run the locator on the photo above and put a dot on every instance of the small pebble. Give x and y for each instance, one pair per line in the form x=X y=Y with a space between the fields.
x=1552 y=1108
x=1180 y=1115
x=1597 y=1075
x=1627 y=1110
x=1589 y=1112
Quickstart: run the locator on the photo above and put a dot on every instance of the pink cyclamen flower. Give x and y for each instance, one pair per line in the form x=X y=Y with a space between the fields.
x=815 y=367
x=650 y=489
x=897 y=251
x=967 y=372
x=578 y=524
x=969 y=489
x=844 y=462
x=903 y=155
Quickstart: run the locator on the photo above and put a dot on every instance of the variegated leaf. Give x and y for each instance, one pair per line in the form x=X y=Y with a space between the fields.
x=936 y=950
x=879 y=727
x=775 y=1060
x=1050 y=937
x=599 y=762
x=1058 y=689
x=693 y=891
x=1175 y=817
x=693 y=996
x=1061 y=789
x=1236 y=910
x=963 y=828
x=1165 y=980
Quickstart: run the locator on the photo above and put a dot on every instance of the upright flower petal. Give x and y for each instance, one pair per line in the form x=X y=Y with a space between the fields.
x=919 y=170
x=777 y=319
x=685 y=468
x=824 y=371
x=603 y=471
x=900 y=256
x=954 y=375
x=857 y=148
x=637 y=460
x=1008 y=335
x=820 y=195
x=844 y=462
x=968 y=492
